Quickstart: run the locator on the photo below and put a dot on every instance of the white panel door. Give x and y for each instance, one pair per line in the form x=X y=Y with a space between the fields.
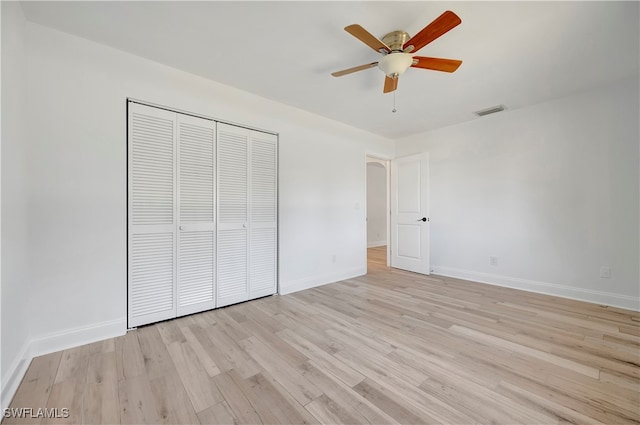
x=410 y=213
x=233 y=214
x=196 y=215
x=152 y=215
x=263 y=183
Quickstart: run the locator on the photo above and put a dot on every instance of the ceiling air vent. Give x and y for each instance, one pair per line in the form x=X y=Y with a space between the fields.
x=491 y=110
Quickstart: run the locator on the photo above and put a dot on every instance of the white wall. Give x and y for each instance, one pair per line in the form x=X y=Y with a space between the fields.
x=376 y=204
x=551 y=190
x=14 y=317
x=77 y=212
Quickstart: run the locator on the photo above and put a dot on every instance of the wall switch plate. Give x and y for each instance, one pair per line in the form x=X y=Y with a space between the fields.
x=605 y=272
x=493 y=261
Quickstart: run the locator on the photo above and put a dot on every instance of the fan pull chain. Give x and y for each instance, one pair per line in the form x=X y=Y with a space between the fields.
x=394 y=110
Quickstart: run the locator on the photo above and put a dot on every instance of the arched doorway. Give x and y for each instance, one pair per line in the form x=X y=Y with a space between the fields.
x=377 y=210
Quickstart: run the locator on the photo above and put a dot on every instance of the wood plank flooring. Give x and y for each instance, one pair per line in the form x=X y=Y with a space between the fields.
x=388 y=347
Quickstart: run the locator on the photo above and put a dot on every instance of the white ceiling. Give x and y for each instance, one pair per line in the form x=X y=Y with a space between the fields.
x=514 y=53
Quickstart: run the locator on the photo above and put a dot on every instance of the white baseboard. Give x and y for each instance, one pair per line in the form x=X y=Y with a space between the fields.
x=376 y=243
x=49 y=343
x=14 y=375
x=312 y=282
x=588 y=295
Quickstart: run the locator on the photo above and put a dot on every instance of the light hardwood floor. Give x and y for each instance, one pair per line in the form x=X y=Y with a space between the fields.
x=388 y=347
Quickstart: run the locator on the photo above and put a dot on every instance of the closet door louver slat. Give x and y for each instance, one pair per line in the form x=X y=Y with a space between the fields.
x=262 y=262
x=196 y=274
x=151 y=170
x=232 y=266
x=196 y=184
x=232 y=166
x=152 y=272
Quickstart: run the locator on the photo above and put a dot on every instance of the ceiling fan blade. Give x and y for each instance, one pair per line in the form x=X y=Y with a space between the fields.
x=436 y=64
x=390 y=84
x=442 y=24
x=354 y=69
x=367 y=38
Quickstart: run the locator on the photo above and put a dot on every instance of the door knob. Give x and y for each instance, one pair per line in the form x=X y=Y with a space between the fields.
x=423 y=219
x=180 y=227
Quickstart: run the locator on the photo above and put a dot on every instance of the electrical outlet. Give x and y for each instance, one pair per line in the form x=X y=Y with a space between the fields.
x=605 y=272
x=493 y=261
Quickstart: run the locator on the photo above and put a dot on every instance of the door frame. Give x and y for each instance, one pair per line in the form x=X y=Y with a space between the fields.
x=386 y=161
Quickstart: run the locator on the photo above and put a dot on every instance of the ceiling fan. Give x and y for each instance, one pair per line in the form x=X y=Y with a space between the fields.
x=398 y=49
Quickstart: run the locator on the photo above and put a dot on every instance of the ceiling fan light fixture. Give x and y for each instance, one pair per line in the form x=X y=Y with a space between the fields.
x=397 y=49
x=395 y=63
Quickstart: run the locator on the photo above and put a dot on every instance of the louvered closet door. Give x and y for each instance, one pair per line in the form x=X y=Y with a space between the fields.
x=233 y=214
x=247 y=214
x=196 y=215
x=152 y=215
x=263 y=214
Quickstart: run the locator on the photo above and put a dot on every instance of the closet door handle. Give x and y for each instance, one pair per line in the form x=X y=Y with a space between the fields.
x=180 y=227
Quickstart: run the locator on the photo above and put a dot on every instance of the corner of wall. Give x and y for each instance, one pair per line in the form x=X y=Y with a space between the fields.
x=2 y=404
x=13 y=377
x=50 y=343
x=12 y=289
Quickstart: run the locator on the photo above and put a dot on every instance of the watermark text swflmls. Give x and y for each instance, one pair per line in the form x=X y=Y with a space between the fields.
x=40 y=412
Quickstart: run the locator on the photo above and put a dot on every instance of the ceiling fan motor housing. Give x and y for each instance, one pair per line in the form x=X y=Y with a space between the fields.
x=395 y=40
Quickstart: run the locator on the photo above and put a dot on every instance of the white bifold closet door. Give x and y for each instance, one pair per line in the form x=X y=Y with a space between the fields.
x=152 y=215
x=171 y=220
x=196 y=215
x=247 y=214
